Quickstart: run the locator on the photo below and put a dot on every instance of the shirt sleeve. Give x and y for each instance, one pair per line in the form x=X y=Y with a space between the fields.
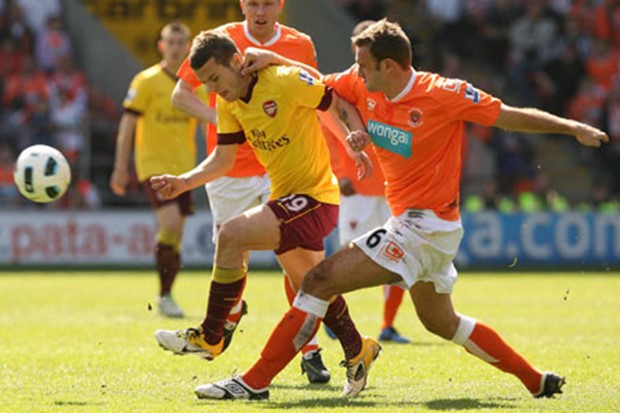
x=138 y=96
x=186 y=74
x=468 y=103
x=345 y=84
x=229 y=130
x=304 y=90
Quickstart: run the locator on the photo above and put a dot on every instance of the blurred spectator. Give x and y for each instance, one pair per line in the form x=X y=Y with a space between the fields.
x=53 y=44
x=11 y=58
x=495 y=33
x=67 y=79
x=559 y=79
x=37 y=12
x=13 y=26
x=490 y=199
x=542 y=197
x=26 y=99
x=532 y=44
x=609 y=157
x=602 y=65
x=67 y=116
x=601 y=200
x=9 y=196
x=513 y=161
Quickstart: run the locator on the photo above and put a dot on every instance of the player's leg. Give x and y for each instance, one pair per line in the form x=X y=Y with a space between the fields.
x=256 y=229
x=437 y=314
x=311 y=361
x=229 y=197
x=349 y=269
x=392 y=299
x=168 y=255
x=170 y=216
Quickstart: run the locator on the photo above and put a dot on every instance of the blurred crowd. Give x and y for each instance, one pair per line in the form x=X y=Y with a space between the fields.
x=46 y=99
x=559 y=55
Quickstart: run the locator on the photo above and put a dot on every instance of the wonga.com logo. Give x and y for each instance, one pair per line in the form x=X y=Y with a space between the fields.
x=390 y=138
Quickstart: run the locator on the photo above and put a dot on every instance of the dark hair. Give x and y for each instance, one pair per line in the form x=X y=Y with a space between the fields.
x=211 y=44
x=387 y=40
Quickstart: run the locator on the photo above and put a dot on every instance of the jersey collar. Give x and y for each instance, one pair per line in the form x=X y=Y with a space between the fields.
x=276 y=36
x=407 y=88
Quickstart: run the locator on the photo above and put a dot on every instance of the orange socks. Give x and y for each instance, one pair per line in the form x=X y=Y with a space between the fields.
x=393 y=296
x=313 y=344
x=298 y=325
x=484 y=342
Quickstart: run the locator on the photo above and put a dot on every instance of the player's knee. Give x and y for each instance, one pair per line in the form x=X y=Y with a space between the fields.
x=444 y=327
x=227 y=236
x=316 y=282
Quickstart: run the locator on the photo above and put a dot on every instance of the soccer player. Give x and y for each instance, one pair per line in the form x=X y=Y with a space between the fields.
x=274 y=110
x=415 y=121
x=164 y=143
x=246 y=185
x=362 y=208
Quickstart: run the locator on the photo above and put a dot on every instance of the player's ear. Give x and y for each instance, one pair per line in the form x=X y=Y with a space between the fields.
x=236 y=61
x=160 y=45
x=242 y=5
x=281 y=5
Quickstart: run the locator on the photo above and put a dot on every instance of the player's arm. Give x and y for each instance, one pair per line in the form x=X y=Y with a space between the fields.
x=538 y=121
x=124 y=143
x=341 y=118
x=255 y=59
x=220 y=161
x=184 y=99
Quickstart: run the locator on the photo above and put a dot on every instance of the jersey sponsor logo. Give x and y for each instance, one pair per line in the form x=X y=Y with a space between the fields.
x=415 y=118
x=258 y=139
x=393 y=252
x=306 y=77
x=271 y=108
x=390 y=138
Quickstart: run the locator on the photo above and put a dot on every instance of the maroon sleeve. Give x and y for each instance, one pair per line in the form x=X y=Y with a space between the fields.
x=326 y=101
x=230 y=138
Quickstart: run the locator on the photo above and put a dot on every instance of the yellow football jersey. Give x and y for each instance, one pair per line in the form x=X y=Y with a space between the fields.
x=165 y=137
x=280 y=123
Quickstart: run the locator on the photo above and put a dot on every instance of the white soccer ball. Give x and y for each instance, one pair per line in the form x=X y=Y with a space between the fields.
x=42 y=174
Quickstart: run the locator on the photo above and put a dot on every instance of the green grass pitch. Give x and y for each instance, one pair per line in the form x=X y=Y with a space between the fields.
x=83 y=342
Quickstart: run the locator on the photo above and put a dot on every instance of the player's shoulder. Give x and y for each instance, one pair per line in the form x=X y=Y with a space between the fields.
x=150 y=72
x=436 y=83
x=294 y=34
x=232 y=28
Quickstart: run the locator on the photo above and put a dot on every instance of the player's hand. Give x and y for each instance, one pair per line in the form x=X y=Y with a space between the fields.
x=168 y=186
x=590 y=136
x=118 y=181
x=358 y=140
x=363 y=165
x=256 y=59
x=346 y=186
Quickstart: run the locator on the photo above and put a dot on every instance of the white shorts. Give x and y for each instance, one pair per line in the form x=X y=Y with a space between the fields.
x=229 y=197
x=359 y=214
x=418 y=246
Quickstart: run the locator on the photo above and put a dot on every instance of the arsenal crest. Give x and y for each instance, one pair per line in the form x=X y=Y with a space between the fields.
x=271 y=108
x=415 y=117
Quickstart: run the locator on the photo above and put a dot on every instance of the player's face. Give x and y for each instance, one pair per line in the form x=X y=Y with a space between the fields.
x=174 y=47
x=369 y=69
x=261 y=16
x=223 y=80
